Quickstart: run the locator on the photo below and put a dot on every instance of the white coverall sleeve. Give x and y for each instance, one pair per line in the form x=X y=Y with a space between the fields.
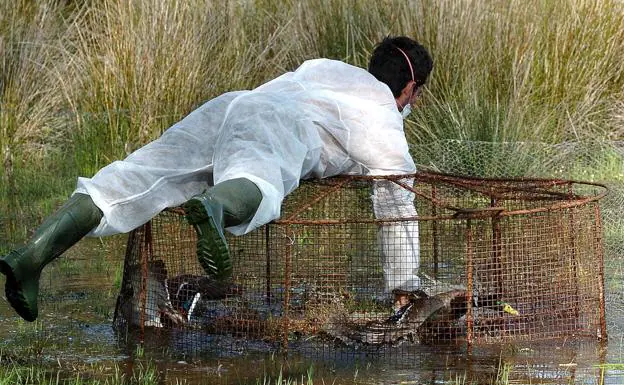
x=385 y=151
x=398 y=241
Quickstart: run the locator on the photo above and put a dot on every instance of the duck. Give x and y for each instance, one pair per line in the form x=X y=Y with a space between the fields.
x=185 y=292
x=158 y=310
x=435 y=317
x=418 y=317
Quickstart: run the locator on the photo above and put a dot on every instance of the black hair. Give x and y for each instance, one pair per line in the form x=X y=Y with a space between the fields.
x=390 y=66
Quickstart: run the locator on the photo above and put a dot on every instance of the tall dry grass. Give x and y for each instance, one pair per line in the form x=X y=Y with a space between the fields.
x=96 y=80
x=522 y=70
x=34 y=125
x=31 y=121
x=139 y=66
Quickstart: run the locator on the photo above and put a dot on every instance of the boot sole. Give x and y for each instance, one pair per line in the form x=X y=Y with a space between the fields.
x=212 y=250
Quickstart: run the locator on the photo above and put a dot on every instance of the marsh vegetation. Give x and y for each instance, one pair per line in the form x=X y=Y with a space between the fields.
x=83 y=83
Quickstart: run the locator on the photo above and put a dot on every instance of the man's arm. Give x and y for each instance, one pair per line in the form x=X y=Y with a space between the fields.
x=398 y=241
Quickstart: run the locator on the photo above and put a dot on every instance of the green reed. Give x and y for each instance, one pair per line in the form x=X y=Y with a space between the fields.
x=522 y=71
x=95 y=81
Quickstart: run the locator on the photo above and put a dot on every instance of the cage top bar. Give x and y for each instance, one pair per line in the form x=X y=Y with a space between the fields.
x=546 y=195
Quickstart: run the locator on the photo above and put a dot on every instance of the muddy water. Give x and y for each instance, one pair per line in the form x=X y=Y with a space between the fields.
x=74 y=333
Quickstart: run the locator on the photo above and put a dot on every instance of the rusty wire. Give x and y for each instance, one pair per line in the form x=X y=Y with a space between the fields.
x=533 y=243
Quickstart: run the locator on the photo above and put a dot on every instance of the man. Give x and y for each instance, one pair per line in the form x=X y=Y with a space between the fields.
x=232 y=161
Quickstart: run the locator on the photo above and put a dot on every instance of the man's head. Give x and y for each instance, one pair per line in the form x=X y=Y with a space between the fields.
x=403 y=64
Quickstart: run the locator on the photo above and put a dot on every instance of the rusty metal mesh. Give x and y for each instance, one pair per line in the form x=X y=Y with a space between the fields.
x=315 y=275
x=588 y=160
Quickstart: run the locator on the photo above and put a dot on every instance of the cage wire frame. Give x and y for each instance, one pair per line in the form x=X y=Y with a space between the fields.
x=534 y=243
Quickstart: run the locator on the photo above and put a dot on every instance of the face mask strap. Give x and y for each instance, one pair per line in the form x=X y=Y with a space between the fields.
x=406 y=109
x=409 y=63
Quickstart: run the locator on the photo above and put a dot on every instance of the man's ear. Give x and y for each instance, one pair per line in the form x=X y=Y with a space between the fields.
x=406 y=94
x=408 y=90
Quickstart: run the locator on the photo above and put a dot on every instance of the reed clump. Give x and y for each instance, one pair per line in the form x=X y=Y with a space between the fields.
x=86 y=83
x=100 y=79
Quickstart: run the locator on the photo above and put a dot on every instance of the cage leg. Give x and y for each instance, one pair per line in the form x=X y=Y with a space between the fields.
x=267 y=245
x=573 y=241
x=496 y=253
x=602 y=332
x=146 y=253
x=132 y=239
x=287 y=288
x=434 y=230
x=469 y=288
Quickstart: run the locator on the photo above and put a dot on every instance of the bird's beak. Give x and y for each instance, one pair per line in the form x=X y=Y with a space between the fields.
x=507 y=308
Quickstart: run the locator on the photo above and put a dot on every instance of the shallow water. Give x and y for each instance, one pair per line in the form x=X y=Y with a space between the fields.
x=74 y=332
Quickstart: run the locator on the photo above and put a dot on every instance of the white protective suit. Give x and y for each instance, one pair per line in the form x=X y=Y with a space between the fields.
x=324 y=119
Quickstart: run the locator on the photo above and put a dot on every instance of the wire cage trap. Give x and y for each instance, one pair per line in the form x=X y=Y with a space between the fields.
x=316 y=275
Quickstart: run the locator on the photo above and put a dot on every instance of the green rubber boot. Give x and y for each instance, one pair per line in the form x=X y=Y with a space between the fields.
x=229 y=203
x=59 y=232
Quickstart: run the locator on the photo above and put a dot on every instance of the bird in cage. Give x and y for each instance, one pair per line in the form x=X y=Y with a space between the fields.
x=423 y=314
x=434 y=317
x=144 y=297
x=186 y=291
